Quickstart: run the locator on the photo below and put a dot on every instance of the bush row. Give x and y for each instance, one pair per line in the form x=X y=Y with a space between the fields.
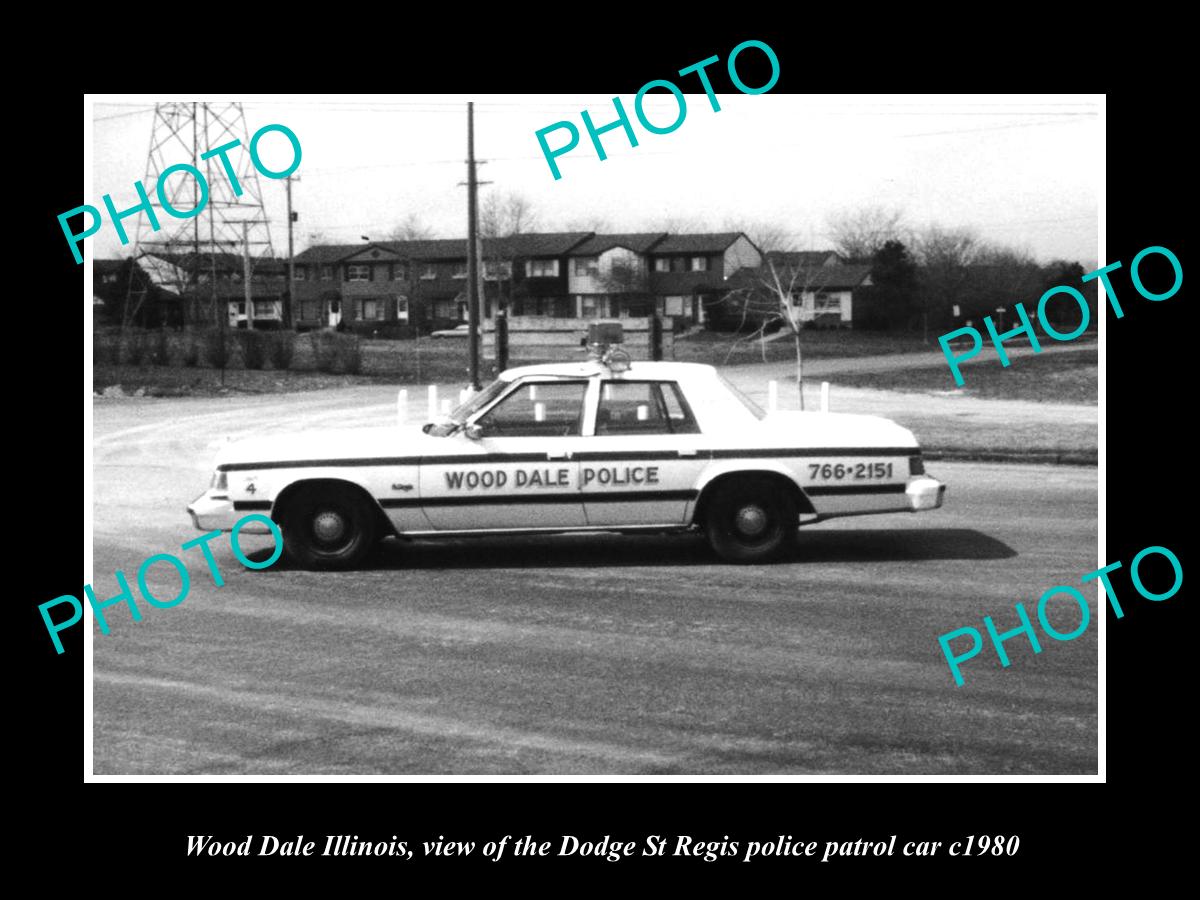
x=331 y=351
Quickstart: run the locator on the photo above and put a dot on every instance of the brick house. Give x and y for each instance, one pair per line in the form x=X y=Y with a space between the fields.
x=404 y=288
x=822 y=293
x=689 y=272
x=610 y=276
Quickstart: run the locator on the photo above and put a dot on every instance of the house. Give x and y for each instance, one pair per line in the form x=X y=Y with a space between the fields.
x=820 y=286
x=206 y=282
x=404 y=288
x=610 y=275
x=147 y=304
x=689 y=272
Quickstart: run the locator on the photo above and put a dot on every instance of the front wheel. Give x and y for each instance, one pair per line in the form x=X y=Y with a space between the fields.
x=328 y=528
x=750 y=520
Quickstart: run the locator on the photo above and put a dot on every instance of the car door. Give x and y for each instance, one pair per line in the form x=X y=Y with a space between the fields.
x=519 y=472
x=642 y=464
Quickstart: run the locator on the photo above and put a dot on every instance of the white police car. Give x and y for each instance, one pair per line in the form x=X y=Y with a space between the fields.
x=602 y=445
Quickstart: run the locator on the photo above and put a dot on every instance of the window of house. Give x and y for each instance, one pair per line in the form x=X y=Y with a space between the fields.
x=587 y=265
x=428 y=271
x=494 y=270
x=541 y=268
x=593 y=306
x=399 y=271
x=264 y=309
x=402 y=309
x=699 y=263
x=299 y=273
x=460 y=270
x=445 y=309
x=827 y=303
x=673 y=306
x=109 y=277
x=358 y=273
x=371 y=309
x=662 y=264
x=327 y=273
x=643 y=407
x=540 y=409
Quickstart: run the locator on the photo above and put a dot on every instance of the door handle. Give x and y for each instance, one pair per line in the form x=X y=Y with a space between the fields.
x=558 y=454
x=687 y=452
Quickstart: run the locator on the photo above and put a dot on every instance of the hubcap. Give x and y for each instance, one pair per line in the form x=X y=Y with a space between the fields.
x=751 y=520
x=329 y=526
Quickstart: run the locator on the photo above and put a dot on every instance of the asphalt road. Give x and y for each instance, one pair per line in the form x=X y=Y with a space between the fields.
x=579 y=655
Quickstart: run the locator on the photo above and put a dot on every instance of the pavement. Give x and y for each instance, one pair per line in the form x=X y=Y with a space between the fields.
x=583 y=654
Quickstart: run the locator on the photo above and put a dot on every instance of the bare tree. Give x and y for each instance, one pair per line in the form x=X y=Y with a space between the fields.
x=769 y=237
x=316 y=238
x=859 y=233
x=944 y=255
x=503 y=215
x=596 y=222
x=776 y=292
x=411 y=229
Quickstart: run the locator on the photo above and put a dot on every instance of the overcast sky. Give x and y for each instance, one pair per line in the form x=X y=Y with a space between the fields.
x=1021 y=170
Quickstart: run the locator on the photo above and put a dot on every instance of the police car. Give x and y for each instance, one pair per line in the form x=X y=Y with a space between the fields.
x=601 y=445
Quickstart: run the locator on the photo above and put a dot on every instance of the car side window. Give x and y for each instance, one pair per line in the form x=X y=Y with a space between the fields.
x=643 y=407
x=539 y=409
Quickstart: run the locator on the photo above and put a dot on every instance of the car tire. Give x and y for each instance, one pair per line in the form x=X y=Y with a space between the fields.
x=749 y=520
x=328 y=528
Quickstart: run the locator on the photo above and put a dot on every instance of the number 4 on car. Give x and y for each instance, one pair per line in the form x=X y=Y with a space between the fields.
x=602 y=445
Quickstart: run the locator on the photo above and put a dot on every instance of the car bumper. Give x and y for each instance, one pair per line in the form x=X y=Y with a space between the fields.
x=924 y=493
x=213 y=511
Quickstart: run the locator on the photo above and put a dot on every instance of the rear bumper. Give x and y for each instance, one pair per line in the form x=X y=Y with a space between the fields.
x=924 y=493
x=214 y=511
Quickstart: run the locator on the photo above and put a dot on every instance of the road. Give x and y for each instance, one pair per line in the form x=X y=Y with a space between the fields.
x=583 y=655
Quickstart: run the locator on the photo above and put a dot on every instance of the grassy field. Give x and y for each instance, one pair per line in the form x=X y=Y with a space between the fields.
x=1057 y=378
x=427 y=360
x=718 y=349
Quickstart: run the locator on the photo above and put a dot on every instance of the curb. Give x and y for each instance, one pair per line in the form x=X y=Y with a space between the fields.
x=1064 y=458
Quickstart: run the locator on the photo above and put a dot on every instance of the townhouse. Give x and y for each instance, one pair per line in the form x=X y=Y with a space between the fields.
x=401 y=289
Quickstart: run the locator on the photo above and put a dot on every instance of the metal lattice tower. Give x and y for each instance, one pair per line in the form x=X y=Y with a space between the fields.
x=175 y=256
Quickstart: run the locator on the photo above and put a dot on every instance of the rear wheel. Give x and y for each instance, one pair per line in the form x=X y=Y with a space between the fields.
x=328 y=528
x=750 y=520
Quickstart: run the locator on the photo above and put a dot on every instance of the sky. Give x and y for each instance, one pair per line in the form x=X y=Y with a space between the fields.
x=1021 y=170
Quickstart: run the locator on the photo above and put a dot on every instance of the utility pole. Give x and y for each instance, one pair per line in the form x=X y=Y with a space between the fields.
x=472 y=251
x=246 y=275
x=291 y=270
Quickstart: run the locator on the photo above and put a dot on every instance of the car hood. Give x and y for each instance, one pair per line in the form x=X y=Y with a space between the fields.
x=333 y=444
x=821 y=429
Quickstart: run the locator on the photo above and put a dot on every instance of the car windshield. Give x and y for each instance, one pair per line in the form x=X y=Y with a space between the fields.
x=464 y=411
x=754 y=408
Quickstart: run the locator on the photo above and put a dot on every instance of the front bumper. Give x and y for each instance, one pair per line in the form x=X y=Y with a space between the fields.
x=214 y=511
x=924 y=492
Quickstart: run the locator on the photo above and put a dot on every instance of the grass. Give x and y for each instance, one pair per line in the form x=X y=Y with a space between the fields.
x=1050 y=378
x=719 y=348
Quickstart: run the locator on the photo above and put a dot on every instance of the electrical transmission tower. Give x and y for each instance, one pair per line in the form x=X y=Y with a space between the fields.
x=184 y=253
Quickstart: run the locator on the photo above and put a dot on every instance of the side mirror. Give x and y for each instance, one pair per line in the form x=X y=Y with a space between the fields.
x=473 y=431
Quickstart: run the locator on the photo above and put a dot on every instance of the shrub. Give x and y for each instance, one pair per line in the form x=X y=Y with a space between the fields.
x=350 y=354
x=282 y=349
x=191 y=350
x=337 y=352
x=254 y=348
x=325 y=350
x=133 y=348
x=216 y=350
x=104 y=350
x=160 y=351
